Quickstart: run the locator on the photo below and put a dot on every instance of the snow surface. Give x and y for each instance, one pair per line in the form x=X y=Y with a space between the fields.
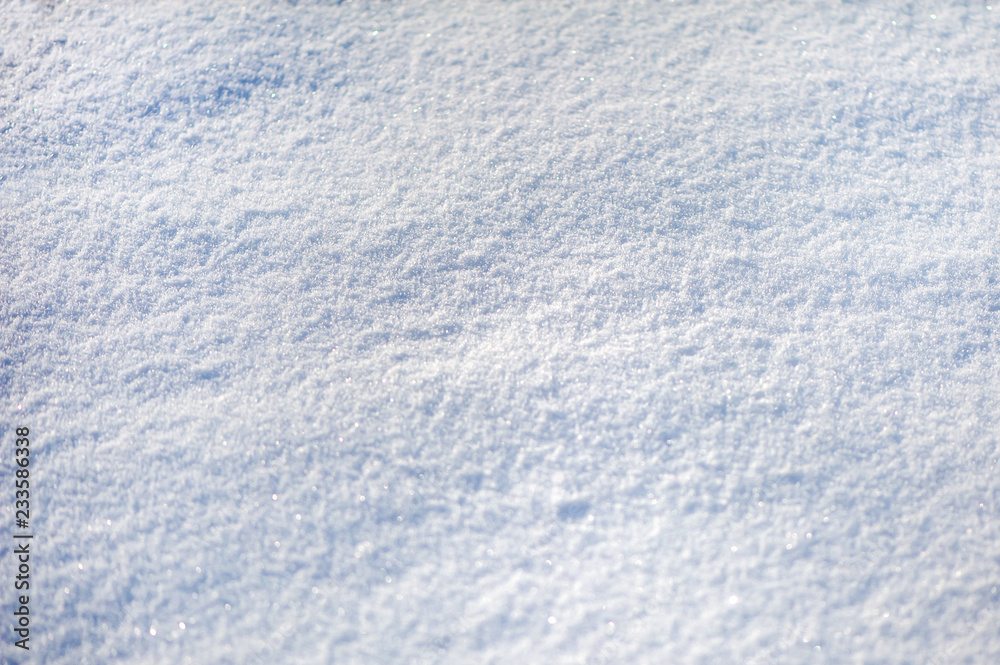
x=503 y=332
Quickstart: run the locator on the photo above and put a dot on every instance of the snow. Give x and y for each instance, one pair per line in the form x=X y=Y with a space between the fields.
x=503 y=332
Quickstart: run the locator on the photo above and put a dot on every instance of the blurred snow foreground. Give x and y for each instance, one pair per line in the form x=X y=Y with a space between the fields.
x=504 y=332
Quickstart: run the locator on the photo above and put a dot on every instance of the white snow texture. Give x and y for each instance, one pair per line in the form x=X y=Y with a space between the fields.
x=503 y=332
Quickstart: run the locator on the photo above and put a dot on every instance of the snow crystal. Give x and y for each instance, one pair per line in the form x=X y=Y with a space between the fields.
x=591 y=332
